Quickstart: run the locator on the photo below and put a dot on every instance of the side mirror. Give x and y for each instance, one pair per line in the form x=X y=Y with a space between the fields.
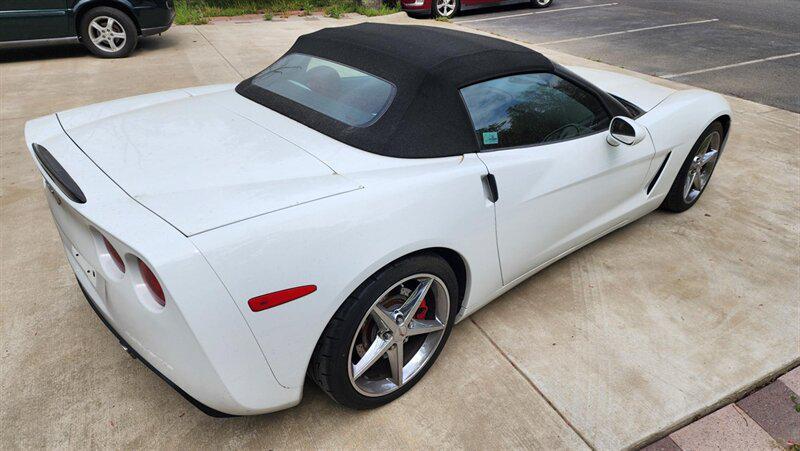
x=624 y=130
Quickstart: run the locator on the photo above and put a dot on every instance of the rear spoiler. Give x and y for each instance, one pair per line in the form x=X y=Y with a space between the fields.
x=59 y=174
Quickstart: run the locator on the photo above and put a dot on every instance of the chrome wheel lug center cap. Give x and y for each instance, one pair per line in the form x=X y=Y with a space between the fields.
x=403 y=331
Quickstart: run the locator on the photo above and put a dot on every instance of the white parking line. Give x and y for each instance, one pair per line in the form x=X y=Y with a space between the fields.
x=546 y=11
x=635 y=30
x=728 y=66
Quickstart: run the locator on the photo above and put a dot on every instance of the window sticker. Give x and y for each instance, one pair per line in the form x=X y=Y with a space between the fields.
x=489 y=137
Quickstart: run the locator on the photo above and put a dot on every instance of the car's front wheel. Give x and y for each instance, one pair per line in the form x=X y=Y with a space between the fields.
x=696 y=171
x=541 y=3
x=108 y=32
x=446 y=8
x=387 y=334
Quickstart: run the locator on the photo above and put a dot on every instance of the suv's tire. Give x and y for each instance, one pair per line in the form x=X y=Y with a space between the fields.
x=541 y=3
x=694 y=175
x=354 y=333
x=108 y=32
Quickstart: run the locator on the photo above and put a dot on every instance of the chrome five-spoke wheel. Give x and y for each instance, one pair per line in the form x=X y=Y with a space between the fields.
x=389 y=331
x=399 y=334
x=701 y=167
x=695 y=172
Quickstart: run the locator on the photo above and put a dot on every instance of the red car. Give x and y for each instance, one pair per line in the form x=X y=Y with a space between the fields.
x=449 y=8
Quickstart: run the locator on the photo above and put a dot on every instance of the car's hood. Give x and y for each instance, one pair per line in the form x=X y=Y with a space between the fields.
x=196 y=164
x=639 y=92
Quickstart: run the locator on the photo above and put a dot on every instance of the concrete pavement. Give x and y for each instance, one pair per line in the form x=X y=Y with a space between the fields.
x=620 y=343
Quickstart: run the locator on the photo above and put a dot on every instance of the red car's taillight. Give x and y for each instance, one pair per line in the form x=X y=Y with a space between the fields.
x=114 y=255
x=152 y=283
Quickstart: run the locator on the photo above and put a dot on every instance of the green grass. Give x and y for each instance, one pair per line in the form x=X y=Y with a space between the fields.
x=307 y=8
x=199 y=11
x=185 y=15
x=370 y=12
x=335 y=11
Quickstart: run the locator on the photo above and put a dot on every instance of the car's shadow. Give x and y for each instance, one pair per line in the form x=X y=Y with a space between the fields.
x=47 y=50
x=471 y=13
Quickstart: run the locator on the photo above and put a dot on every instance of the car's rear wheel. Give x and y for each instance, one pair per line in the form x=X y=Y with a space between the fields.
x=541 y=3
x=108 y=32
x=387 y=334
x=696 y=171
x=446 y=8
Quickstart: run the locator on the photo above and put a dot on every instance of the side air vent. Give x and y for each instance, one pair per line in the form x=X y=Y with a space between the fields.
x=658 y=174
x=59 y=175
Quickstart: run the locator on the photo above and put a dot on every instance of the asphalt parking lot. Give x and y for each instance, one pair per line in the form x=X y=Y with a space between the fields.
x=612 y=347
x=742 y=48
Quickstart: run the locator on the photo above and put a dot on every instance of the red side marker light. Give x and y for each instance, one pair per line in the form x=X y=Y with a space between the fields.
x=277 y=298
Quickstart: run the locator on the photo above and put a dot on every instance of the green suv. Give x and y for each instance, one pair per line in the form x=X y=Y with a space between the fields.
x=108 y=28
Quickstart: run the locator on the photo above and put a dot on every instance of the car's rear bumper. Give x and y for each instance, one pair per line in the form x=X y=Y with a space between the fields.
x=204 y=408
x=156 y=25
x=416 y=7
x=153 y=20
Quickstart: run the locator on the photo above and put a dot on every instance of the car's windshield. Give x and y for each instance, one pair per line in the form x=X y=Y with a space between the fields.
x=335 y=90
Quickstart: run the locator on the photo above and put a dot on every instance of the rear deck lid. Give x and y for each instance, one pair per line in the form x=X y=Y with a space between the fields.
x=198 y=165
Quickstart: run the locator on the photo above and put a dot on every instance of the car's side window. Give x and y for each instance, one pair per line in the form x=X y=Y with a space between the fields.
x=530 y=109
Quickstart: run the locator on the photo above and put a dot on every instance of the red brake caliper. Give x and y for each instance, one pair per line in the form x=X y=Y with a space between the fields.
x=422 y=311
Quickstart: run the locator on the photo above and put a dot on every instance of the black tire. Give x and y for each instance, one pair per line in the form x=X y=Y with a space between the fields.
x=435 y=12
x=541 y=3
x=675 y=200
x=123 y=24
x=329 y=366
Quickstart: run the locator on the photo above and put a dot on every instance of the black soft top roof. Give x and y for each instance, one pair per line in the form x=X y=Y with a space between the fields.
x=427 y=65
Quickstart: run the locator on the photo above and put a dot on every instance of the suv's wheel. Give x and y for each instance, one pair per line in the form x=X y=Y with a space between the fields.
x=446 y=8
x=541 y=3
x=388 y=333
x=108 y=32
x=696 y=171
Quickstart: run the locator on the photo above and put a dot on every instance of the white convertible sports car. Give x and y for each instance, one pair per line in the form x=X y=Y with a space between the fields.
x=335 y=214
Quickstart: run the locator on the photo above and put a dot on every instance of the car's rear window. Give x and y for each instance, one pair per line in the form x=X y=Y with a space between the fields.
x=335 y=90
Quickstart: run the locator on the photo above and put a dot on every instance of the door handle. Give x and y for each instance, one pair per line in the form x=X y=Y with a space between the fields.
x=491 y=187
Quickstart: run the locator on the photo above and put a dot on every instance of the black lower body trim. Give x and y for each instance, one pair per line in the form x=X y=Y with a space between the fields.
x=155 y=30
x=204 y=408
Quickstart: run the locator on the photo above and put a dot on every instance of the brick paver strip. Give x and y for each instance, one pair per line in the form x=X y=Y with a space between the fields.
x=773 y=410
x=665 y=444
x=792 y=380
x=727 y=428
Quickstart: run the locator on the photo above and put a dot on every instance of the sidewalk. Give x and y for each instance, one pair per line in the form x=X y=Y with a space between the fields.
x=632 y=337
x=766 y=419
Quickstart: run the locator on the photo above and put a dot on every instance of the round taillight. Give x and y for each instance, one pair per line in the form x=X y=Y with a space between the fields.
x=152 y=283
x=114 y=255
